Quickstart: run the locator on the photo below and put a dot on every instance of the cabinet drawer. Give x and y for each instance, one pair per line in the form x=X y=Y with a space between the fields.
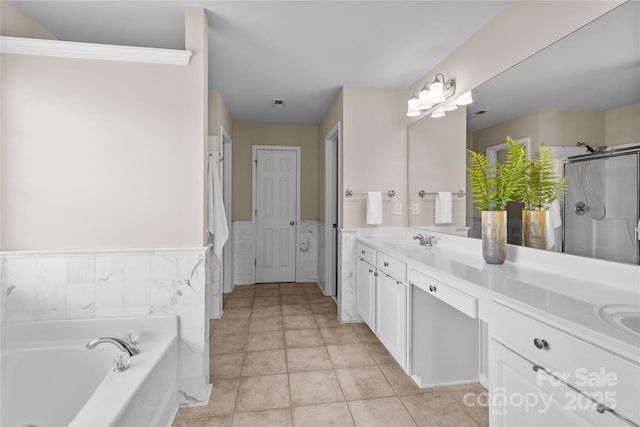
x=392 y=266
x=366 y=253
x=456 y=299
x=605 y=377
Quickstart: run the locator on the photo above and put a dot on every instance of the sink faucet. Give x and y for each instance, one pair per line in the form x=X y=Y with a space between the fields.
x=425 y=241
x=125 y=346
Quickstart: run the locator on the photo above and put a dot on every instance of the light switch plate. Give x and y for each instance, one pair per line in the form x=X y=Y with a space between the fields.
x=415 y=209
x=398 y=209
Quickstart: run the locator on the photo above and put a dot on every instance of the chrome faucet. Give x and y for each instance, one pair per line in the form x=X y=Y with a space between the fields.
x=425 y=241
x=125 y=346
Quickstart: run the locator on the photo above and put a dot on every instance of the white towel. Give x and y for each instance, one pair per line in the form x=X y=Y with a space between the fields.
x=374 y=207
x=216 y=217
x=554 y=220
x=444 y=209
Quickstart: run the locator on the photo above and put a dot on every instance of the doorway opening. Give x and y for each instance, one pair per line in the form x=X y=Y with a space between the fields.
x=332 y=210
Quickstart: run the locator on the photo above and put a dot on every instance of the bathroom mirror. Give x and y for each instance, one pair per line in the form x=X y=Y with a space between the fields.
x=584 y=88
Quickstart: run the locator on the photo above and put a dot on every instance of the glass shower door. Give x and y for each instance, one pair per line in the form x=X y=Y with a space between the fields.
x=601 y=208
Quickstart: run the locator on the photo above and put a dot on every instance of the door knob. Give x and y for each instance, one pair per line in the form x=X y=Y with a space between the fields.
x=292 y=223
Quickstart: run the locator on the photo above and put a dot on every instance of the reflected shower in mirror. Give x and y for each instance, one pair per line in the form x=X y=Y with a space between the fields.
x=583 y=90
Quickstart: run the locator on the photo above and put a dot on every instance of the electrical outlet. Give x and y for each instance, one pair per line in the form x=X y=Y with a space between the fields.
x=415 y=209
x=398 y=209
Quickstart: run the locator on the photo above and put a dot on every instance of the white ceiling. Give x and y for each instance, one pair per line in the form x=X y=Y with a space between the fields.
x=595 y=68
x=299 y=51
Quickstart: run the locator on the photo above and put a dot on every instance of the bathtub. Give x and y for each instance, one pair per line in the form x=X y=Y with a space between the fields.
x=50 y=378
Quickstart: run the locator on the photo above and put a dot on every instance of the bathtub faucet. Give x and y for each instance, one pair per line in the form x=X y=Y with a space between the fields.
x=125 y=346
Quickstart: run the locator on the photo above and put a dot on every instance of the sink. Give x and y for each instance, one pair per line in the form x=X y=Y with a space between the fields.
x=625 y=317
x=403 y=244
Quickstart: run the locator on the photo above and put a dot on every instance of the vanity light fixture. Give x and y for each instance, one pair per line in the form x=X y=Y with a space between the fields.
x=436 y=92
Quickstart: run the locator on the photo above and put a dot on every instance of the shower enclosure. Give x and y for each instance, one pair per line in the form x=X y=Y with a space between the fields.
x=602 y=205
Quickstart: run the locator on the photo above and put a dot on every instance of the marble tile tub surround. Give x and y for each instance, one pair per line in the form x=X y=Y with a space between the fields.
x=243 y=252
x=55 y=285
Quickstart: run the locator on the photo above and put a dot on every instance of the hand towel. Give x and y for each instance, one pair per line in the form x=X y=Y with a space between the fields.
x=374 y=207
x=554 y=221
x=216 y=216
x=444 y=209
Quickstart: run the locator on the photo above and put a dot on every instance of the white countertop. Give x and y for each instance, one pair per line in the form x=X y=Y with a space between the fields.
x=562 y=290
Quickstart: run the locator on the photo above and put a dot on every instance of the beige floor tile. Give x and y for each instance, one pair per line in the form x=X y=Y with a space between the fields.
x=399 y=380
x=267 y=293
x=291 y=285
x=263 y=392
x=269 y=418
x=303 y=338
x=308 y=359
x=263 y=286
x=224 y=366
x=324 y=308
x=296 y=310
x=242 y=293
x=236 y=313
x=328 y=321
x=292 y=291
x=230 y=327
x=379 y=353
x=220 y=421
x=319 y=299
x=349 y=355
x=265 y=362
x=221 y=402
x=437 y=409
x=383 y=412
x=228 y=343
x=267 y=311
x=324 y=415
x=364 y=333
x=266 y=301
x=332 y=336
x=363 y=383
x=263 y=324
x=474 y=400
x=239 y=302
x=299 y=322
x=293 y=299
x=313 y=387
x=273 y=340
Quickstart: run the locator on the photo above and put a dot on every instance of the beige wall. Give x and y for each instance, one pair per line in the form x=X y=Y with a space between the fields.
x=520 y=30
x=100 y=154
x=245 y=135
x=15 y=23
x=374 y=152
x=334 y=115
x=437 y=147
x=622 y=125
x=218 y=114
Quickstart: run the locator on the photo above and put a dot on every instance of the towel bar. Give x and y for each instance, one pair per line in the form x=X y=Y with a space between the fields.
x=350 y=193
x=459 y=193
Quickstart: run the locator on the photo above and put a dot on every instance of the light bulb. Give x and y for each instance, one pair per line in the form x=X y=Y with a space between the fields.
x=465 y=99
x=437 y=92
x=438 y=113
x=424 y=98
x=450 y=106
x=413 y=109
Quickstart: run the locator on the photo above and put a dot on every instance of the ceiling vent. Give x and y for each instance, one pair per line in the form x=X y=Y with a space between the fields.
x=477 y=113
x=277 y=103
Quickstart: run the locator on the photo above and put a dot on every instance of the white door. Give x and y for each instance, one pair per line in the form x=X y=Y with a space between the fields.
x=365 y=292
x=276 y=214
x=391 y=316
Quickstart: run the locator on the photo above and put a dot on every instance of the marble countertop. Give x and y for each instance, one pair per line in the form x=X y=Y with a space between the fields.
x=562 y=290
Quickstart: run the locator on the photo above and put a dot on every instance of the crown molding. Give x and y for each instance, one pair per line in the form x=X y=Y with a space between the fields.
x=100 y=52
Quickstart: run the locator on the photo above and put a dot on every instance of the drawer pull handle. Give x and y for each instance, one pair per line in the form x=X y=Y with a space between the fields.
x=364 y=252
x=432 y=288
x=540 y=344
x=386 y=264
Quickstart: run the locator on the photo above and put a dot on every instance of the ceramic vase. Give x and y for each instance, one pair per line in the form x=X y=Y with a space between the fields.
x=534 y=229
x=494 y=236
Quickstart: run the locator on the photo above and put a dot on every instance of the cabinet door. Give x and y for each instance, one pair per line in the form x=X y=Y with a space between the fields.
x=366 y=293
x=520 y=396
x=391 y=317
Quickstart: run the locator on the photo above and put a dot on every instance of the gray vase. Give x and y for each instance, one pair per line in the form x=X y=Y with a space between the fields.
x=494 y=236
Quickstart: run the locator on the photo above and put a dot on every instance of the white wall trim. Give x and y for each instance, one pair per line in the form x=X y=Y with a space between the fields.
x=227 y=251
x=332 y=143
x=101 y=52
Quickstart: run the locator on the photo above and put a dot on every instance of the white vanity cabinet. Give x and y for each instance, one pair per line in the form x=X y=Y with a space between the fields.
x=541 y=375
x=366 y=285
x=391 y=317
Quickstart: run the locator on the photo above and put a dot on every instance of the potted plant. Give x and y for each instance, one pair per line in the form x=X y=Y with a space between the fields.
x=541 y=189
x=492 y=187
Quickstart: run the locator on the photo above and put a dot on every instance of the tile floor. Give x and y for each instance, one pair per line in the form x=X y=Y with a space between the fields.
x=279 y=357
